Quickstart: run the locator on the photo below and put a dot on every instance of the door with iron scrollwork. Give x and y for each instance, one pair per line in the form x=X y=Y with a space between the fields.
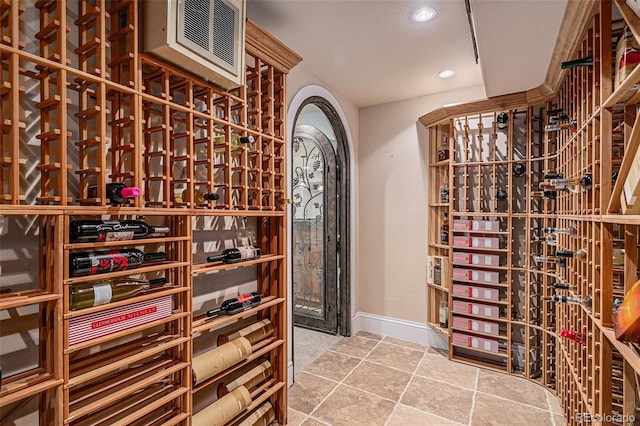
x=315 y=238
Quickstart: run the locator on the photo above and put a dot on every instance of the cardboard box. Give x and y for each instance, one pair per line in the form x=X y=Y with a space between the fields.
x=461 y=258
x=464 y=307
x=627 y=56
x=461 y=241
x=462 y=225
x=485 y=259
x=485 y=242
x=626 y=320
x=474 y=342
x=98 y=324
x=485 y=276
x=478 y=326
x=486 y=225
x=476 y=292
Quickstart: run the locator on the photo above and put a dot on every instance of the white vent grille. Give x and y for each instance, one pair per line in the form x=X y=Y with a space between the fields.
x=196 y=22
x=224 y=28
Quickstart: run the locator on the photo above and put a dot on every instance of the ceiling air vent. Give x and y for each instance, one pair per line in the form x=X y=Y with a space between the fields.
x=206 y=37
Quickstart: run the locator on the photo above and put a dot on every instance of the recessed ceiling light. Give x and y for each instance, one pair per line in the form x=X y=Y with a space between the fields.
x=423 y=14
x=446 y=73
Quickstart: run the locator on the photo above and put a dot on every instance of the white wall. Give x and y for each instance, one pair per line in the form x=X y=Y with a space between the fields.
x=392 y=201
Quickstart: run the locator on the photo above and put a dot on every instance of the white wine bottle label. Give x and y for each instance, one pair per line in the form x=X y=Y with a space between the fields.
x=253 y=377
x=216 y=360
x=118 y=236
x=255 y=332
x=102 y=294
x=444 y=313
x=262 y=416
x=247 y=252
x=224 y=409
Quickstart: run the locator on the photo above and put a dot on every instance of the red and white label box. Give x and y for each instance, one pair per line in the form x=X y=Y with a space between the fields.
x=462 y=225
x=463 y=258
x=476 y=242
x=476 y=325
x=489 y=345
x=464 y=307
x=491 y=277
x=98 y=324
x=476 y=292
x=485 y=225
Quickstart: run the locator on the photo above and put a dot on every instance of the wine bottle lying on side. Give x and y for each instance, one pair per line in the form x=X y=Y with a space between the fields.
x=237 y=254
x=236 y=305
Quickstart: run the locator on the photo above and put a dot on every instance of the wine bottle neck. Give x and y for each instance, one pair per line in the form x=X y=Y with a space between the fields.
x=157 y=282
x=213 y=312
x=154 y=256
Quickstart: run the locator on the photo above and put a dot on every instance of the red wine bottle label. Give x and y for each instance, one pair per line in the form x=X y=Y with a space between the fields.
x=108 y=262
x=247 y=252
x=102 y=294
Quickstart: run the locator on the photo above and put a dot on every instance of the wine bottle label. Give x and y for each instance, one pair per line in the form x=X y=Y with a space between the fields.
x=224 y=409
x=255 y=332
x=216 y=360
x=116 y=236
x=253 y=377
x=108 y=262
x=247 y=252
x=102 y=294
x=443 y=315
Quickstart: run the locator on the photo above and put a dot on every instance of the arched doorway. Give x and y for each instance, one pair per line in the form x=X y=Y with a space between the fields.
x=320 y=227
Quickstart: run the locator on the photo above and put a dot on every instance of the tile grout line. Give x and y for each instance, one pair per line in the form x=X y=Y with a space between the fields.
x=343 y=379
x=511 y=400
x=553 y=417
x=473 y=398
x=395 y=407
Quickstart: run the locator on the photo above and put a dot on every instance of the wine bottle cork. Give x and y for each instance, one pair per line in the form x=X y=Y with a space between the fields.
x=224 y=409
x=249 y=380
x=262 y=416
x=253 y=333
x=216 y=360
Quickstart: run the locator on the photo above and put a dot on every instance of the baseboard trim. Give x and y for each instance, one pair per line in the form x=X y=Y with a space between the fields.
x=399 y=329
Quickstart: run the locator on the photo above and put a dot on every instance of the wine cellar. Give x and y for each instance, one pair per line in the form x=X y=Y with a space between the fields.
x=95 y=131
x=530 y=251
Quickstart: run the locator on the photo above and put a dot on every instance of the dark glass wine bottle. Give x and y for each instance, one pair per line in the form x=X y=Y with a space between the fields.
x=553 y=176
x=586 y=301
x=551 y=195
x=501 y=194
x=101 y=262
x=560 y=261
x=555 y=111
x=587 y=61
x=562 y=286
x=112 y=230
x=444 y=230
x=86 y=295
x=581 y=254
x=237 y=254
x=559 y=118
x=236 y=305
x=117 y=193
x=519 y=169
x=503 y=120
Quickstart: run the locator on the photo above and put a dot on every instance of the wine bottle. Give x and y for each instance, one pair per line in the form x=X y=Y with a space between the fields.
x=519 y=169
x=572 y=230
x=559 y=118
x=254 y=333
x=573 y=125
x=112 y=230
x=503 y=120
x=100 y=262
x=117 y=193
x=572 y=184
x=443 y=312
x=560 y=261
x=555 y=111
x=237 y=254
x=443 y=151
x=262 y=416
x=581 y=254
x=548 y=239
x=551 y=195
x=553 y=176
x=444 y=189
x=444 y=230
x=237 y=141
x=224 y=409
x=220 y=358
x=249 y=380
x=501 y=194
x=236 y=305
x=86 y=295
x=586 y=301
x=562 y=286
x=587 y=61
x=199 y=197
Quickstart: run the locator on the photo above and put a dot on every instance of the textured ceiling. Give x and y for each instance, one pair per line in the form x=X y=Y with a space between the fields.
x=372 y=53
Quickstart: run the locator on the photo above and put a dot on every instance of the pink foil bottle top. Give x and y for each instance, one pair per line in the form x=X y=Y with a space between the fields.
x=130 y=192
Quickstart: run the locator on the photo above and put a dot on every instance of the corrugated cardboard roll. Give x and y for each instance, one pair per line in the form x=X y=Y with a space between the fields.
x=262 y=416
x=216 y=360
x=254 y=332
x=224 y=409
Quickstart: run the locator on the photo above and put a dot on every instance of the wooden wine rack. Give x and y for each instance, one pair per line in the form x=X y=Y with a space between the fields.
x=81 y=106
x=597 y=377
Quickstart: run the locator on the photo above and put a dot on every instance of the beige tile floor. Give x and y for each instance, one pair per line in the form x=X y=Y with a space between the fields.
x=373 y=380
